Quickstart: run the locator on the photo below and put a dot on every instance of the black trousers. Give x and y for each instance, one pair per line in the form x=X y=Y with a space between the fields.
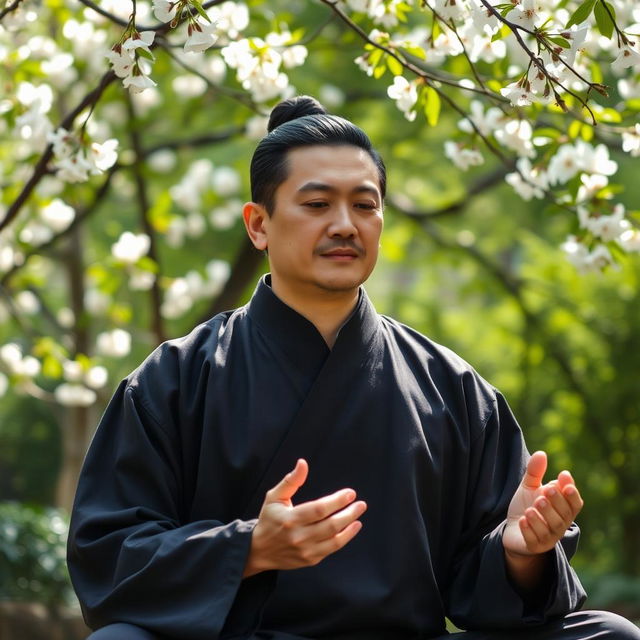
x=583 y=625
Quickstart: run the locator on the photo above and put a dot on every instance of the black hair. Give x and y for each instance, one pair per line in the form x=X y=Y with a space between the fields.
x=301 y=122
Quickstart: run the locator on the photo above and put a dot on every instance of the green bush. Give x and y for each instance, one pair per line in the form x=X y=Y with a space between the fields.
x=33 y=555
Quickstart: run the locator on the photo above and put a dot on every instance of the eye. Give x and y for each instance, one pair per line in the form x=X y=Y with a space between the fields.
x=316 y=204
x=368 y=206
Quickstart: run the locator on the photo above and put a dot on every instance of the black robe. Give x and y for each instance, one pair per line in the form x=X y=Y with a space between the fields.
x=193 y=439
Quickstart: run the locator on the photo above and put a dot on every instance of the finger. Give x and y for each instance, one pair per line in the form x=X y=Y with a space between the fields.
x=565 y=479
x=287 y=487
x=574 y=499
x=317 y=510
x=528 y=534
x=558 y=501
x=331 y=545
x=536 y=468
x=334 y=524
x=538 y=525
x=555 y=521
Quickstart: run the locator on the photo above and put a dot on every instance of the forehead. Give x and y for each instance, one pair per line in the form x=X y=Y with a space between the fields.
x=342 y=167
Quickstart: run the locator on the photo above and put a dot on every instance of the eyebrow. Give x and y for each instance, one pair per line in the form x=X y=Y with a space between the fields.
x=321 y=186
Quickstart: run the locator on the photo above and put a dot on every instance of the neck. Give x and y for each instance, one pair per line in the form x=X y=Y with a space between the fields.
x=326 y=310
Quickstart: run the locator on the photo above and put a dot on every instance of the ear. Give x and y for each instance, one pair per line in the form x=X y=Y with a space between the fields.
x=255 y=216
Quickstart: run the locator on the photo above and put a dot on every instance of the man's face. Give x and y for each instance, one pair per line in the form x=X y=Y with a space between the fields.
x=324 y=232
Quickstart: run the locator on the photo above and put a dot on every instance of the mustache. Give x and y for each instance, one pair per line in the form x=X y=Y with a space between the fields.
x=342 y=244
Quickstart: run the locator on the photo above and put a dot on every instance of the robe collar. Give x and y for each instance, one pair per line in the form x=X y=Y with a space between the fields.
x=298 y=337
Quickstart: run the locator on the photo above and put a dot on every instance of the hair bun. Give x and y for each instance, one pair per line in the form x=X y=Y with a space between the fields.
x=294 y=108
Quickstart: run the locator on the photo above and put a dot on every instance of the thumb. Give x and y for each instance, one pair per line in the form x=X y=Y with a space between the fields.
x=287 y=487
x=536 y=468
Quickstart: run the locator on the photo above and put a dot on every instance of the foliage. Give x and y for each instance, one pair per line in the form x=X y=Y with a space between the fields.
x=33 y=556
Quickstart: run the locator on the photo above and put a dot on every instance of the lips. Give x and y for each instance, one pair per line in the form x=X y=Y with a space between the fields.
x=341 y=253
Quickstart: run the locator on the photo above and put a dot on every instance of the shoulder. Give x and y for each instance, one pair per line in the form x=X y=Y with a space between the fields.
x=176 y=362
x=456 y=381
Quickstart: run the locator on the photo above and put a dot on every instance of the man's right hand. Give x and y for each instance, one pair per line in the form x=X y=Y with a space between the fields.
x=290 y=537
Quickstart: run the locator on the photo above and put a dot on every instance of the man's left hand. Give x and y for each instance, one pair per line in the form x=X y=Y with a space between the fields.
x=540 y=514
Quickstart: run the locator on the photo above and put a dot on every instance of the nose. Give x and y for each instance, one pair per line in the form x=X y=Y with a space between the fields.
x=342 y=225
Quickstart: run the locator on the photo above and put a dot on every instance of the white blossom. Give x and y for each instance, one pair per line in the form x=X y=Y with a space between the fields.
x=629 y=240
x=627 y=57
x=141 y=280
x=96 y=302
x=72 y=370
x=631 y=141
x=164 y=10
x=563 y=165
x=462 y=157
x=162 y=161
x=96 y=377
x=114 y=344
x=104 y=155
x=516 y=134
x=11 y=354
x=57 y=215
x=584 y=260
x=486 y=123
x=225 y=181
x=74 y=395
x=137 y=84
x=530 y=182
x=605 y=227
x=122 y=62
x=27 y=302
x=201 y=37
x=405 y=94
x=590 y=186
x=130 y=247
x=139 y=41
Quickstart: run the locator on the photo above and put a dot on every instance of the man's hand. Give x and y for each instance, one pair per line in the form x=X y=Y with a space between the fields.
x=538 y=517
x=290 y=537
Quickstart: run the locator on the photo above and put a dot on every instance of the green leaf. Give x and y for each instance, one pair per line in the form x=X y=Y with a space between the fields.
x=581 y=13
x=574 y=129
x=547 y=132
x=586 y=132
x=198 y=7
x=432 y=106
x=375 y=57
x=394 y=66
x=603 y=18
x=561 y=42
x=418 y=52
x=379 y=71
x=608 y=115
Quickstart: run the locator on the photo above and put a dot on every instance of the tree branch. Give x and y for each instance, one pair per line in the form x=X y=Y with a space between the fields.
x=143 y=209
x=41 y=166
x=247 y=261
x=12 y=7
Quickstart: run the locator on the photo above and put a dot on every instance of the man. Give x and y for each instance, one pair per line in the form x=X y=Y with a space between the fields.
x=305 y=468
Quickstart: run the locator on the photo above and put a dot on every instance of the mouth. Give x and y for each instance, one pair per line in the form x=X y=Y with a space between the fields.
x=340 y=255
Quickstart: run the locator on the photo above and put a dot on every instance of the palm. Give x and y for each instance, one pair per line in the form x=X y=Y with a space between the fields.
x=512 y=538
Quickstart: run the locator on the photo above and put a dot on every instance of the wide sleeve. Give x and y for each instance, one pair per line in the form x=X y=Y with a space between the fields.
x=132 y=555
x=480 y=594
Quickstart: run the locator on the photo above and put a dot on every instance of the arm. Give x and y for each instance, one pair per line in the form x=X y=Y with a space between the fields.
x=133 y=554
x=481 y=593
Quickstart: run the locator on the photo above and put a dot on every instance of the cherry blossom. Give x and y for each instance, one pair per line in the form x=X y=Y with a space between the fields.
x=529 y=182
x=405 y=94
x=74 y=395
x=627 y=57
x=130 y=247
x=631 y=141
x=462 y=157
x=114 y=344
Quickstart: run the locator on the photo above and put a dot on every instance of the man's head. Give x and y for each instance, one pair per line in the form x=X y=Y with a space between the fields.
x=301 y=122
x=318 y=190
